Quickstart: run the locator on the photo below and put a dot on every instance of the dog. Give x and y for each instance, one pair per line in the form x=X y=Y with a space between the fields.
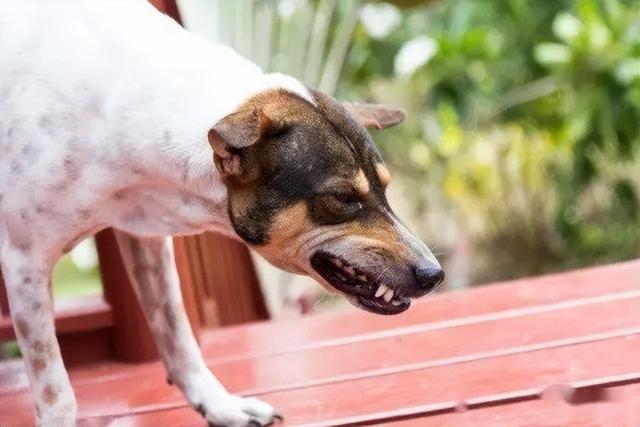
x=112 y=115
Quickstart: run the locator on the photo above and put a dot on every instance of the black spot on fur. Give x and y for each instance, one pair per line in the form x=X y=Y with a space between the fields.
x=166 y=135
x=47 y=125
x=84 y=214
x=16 y=167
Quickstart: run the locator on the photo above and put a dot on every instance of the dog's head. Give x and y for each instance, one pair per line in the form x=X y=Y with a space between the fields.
x=306 y=189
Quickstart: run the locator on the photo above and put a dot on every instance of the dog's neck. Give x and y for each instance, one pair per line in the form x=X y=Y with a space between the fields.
x=169 y=109
x=183 y=140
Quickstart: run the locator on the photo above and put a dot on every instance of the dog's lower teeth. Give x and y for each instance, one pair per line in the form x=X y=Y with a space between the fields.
x=362 y=278
x=396 y=302
x=388 y=296
x=381 y=290
x=341 y=277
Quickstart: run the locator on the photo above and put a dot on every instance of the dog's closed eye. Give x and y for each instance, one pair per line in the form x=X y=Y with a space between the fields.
x=347 y=198
x=336 y=207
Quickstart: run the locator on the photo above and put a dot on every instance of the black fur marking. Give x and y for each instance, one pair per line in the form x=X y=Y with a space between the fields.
x=314 y=156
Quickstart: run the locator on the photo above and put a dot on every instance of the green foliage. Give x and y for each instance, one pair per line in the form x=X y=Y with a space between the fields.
x=528 y=113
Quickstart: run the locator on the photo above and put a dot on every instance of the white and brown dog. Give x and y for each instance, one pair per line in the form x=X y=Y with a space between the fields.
x=112 y=115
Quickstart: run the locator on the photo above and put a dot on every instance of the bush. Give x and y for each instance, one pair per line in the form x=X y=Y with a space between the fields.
x=524 y=124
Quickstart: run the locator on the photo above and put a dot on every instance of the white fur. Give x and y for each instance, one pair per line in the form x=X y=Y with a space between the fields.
x=104 y=111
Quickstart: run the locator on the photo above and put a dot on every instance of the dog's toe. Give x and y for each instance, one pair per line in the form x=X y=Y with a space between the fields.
x=240 y=412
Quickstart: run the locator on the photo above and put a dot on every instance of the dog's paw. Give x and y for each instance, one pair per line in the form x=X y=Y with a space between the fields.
x=238 y=411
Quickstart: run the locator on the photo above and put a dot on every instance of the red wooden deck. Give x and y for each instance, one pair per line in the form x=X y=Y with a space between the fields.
x=561 y=350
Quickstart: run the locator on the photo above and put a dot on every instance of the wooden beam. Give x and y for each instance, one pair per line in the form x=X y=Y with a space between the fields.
x=187 y=287
x=132 y=337
x=224 y=278
x=79 y=314
x=4 y=300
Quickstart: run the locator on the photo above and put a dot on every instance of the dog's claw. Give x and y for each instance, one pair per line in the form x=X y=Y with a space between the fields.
x=252 y=423
x=276 y=418
x=200 y=410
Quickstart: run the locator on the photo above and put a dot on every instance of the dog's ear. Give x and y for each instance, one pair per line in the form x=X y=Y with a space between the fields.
x=375 y=116
x=232 y=135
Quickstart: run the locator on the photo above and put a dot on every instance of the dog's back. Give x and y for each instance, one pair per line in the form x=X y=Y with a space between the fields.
x=88 y=91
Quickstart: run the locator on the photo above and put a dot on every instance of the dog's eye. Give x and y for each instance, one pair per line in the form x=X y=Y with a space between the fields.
x=336 y=207
x=350 y=199
x=276 y=131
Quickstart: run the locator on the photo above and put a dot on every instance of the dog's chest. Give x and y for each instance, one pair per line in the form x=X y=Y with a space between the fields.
x=149 y=210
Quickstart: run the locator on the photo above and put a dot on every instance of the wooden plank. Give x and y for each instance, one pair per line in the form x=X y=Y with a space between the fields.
x=333 y=404
x=620 y=409
x=227 y=285
x=187 y=288
x=4 y=300
x=84 y=347
x=553 y=322
x=600 y=390
x=458 y=382
x=168 y=7
x=72 y=315
x=141 y=392
x=133 y=341
x=500 y=337
x=416 y=339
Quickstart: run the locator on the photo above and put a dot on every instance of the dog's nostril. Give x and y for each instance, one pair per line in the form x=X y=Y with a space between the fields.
x=430 y=277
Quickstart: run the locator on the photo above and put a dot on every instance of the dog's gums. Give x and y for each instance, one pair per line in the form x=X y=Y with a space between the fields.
x=359 y=286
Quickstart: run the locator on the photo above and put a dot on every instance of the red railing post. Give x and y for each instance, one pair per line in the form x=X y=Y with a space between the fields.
x=133 y=341
x=4 y=300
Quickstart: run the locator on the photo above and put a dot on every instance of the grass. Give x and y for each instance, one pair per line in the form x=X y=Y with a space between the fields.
x=70 y=281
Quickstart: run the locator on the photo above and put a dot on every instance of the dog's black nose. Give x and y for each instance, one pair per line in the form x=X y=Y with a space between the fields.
x=429 y=277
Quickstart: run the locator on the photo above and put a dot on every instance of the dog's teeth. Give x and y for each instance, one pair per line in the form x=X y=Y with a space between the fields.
x=349 y=270
x=337 y=262
x=362 y=278
x=396 y=302
x=388 y=296
x=381 y=290
x=341 y=277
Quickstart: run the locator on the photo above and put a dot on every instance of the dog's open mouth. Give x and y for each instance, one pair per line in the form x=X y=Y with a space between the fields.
x=362 y=288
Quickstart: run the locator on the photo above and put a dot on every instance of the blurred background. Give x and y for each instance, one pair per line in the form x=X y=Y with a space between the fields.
x=520 y=154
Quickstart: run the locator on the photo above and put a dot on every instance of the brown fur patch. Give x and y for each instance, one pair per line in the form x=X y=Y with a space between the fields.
x=170 y=317
x=22 y=326
x=38 y=346
x=361 y=183
x=287 y=226
x=383 y=174
x=49 y=395
x=119 y=195
x=37 y=365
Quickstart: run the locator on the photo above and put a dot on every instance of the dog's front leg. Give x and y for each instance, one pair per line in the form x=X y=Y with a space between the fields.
x=27 y=275
x=152 y=270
